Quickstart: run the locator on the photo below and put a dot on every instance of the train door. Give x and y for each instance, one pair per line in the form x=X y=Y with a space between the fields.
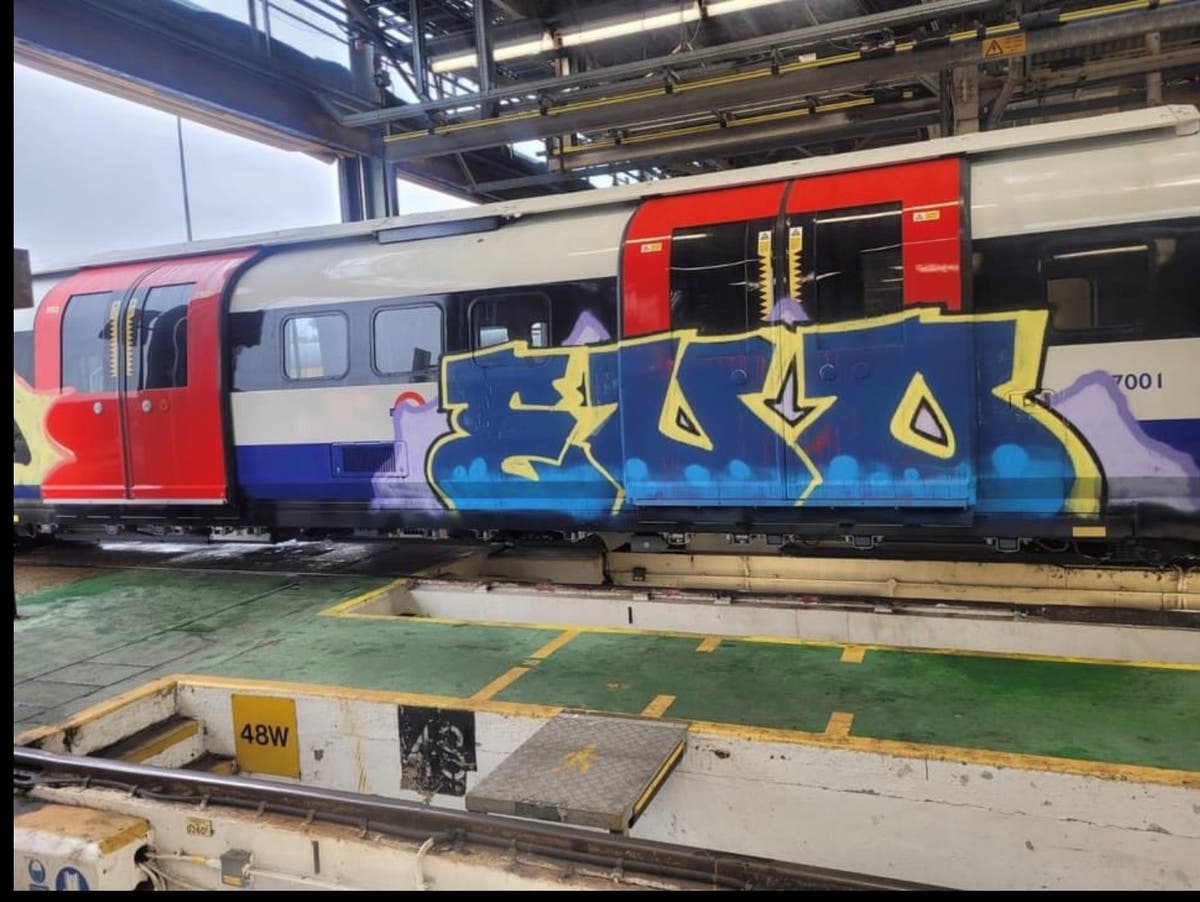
x=698 y=297
x=874 y=275
x=172 y=384
x=78 y=353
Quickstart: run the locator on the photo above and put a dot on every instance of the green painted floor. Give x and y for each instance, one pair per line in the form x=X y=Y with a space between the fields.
x=81 y=643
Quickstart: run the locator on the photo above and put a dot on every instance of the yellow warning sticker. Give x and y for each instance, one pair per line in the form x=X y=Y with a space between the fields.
x=1009 y=45
x=927 y=215
x=264 y=735
x=651 y=247
x=199 y=826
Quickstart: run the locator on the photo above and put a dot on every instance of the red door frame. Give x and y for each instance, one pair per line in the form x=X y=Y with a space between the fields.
x=114 y=457
x=175 y=437
x=86 y=424
x=931 y=197
x=646 y=254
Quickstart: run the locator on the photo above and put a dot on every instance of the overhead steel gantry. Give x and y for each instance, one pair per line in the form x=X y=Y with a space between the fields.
x=943 y=66
x=619 y=98
x=236 y=77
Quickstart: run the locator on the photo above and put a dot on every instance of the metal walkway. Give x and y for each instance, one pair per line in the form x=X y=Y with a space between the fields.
x=584 y=769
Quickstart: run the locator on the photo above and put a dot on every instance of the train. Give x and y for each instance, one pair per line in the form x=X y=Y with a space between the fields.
x=989 y=338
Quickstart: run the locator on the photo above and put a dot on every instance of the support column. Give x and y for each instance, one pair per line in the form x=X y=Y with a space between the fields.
x=483 y=54
x=367 y=183
x=1154 y=85
x=965 y=94
x=416 y=24
x=367 y=186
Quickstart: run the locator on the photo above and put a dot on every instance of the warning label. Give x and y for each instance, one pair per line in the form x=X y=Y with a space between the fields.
x=1009 y=45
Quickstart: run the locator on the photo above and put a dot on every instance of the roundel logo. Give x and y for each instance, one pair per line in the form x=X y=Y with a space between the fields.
x=37 y=870
x=70 y=880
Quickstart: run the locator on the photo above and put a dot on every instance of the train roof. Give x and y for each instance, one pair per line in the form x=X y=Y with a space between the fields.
x=1168 y=120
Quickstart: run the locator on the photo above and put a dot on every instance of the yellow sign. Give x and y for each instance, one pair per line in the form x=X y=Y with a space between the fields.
x=1009 y=45
x=265 y=736
x=199 y=826
x=927 y=215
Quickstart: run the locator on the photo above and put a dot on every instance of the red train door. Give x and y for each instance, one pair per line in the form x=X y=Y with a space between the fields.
x=699 y=286
x=861 y=249
x=78 y=353
x=135 y=352
x=175 y=443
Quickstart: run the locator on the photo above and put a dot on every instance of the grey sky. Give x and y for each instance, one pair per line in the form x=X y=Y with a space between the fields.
x=95 y=173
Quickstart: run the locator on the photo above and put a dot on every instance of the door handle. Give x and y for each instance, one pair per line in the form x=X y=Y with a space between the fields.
x=147 y=406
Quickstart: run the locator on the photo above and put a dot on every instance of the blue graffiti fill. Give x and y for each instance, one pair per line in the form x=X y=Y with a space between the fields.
x=673 y=420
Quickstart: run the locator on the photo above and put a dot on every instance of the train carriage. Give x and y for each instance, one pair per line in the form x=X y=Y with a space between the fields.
x=992 y=336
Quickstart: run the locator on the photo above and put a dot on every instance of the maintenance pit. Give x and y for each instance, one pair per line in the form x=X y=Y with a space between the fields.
x=964 y=746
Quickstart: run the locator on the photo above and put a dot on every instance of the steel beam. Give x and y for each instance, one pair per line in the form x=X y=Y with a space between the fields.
x=646 y=106
x=483 y=53
x=124 y=50
x=816 y=129
x=420 y=59
x=798 y=37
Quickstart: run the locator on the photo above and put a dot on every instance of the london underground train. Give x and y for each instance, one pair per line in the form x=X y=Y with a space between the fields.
x=992 y=336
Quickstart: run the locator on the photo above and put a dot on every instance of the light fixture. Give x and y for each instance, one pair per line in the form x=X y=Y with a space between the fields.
x=602 y=31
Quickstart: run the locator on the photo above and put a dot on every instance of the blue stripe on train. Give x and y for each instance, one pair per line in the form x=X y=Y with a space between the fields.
x=296 y=473
x=311 y=471
x=27 y=492
x=1182 y=435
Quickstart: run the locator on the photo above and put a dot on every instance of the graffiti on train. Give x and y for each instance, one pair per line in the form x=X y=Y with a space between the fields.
x=920 y=408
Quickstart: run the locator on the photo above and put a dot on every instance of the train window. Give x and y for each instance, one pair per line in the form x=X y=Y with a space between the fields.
x=408 y=341
x=584 y=311
x=712 y=272
x=162 y=335
x=1097 y=287
x=89 y=353
x=858 y=267
x=499 y=318
x=1072 y=303
x=1115 y=283
x=316 y=346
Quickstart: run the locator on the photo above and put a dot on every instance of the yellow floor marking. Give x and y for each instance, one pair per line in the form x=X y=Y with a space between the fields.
x=345 y=608
x=156 y=746
x=658 y=707
x=709 y=644
x=853 y=654
x=759 y=640
x=161 y=686
x=554 y=645
x=185 y=684
x=657 y=780
x=498 y=685
x=839 y=725
x=580 y=759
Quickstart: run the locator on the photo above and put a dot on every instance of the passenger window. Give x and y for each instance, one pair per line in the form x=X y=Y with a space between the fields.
x=408 y=341
x=715 y=275
x=1097 y=287
x=1071 y=303
x=316 y=346
x=499 y=318
x=90 y=355
x=858 y=265
x=162 y=333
